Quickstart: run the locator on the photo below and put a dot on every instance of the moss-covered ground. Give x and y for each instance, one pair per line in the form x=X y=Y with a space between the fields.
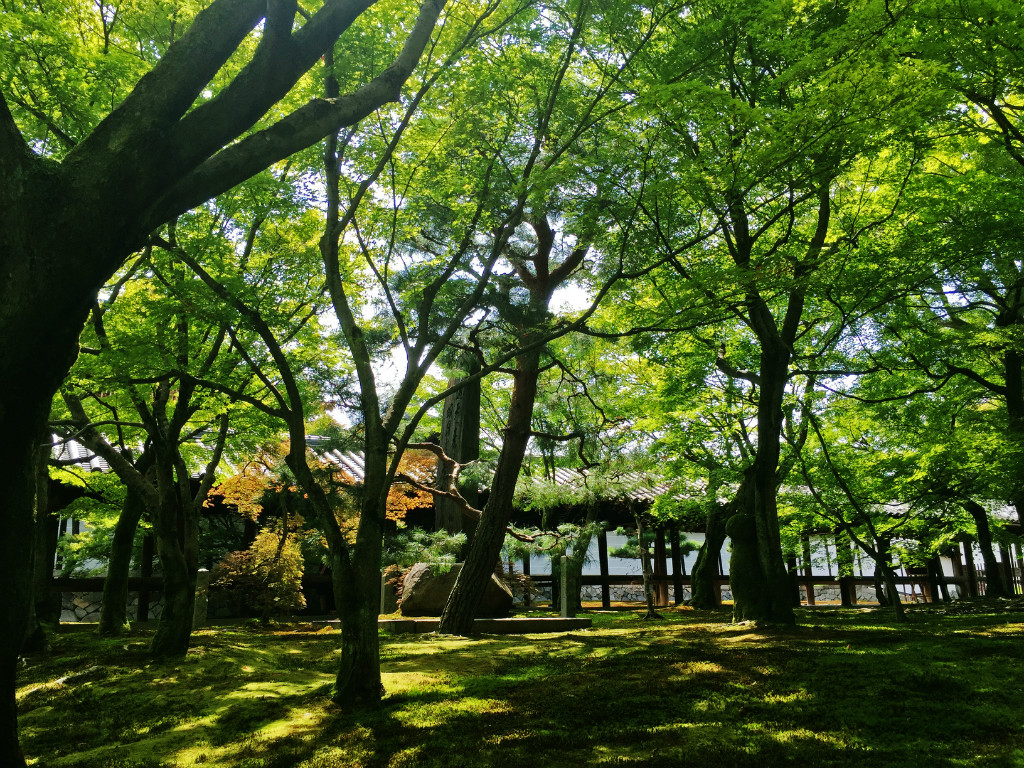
x=843 y=688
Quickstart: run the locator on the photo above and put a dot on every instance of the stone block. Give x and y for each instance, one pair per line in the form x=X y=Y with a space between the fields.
x=425 y=593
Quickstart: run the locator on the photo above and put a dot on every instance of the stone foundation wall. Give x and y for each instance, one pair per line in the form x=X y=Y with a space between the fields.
x=85 y=606
x=634 y=593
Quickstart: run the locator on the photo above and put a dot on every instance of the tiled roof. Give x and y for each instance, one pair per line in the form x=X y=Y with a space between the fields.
x=78 y=455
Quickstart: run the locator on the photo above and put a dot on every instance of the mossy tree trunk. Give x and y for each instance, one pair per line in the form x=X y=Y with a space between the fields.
x=176 y=528
x=45 y=606
x=706 y=568
x=703 y=594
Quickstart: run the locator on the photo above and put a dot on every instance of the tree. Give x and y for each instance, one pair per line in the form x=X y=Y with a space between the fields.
x=165 y=148
x=769 y=121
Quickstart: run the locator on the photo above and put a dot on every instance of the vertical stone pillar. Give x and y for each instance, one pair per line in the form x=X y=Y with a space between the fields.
x=199 y=611
x=568 y=607
x=602 y=557
x=972 y=571
x=677 y=565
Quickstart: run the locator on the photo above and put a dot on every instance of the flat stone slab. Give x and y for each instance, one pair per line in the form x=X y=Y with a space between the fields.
x=512 y=626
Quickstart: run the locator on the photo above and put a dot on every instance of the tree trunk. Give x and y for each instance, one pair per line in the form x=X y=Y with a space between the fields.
x=114 y=612
x=893 y=594
x=578 y=558
x=775 y=606
x=705 y=570
x=994 y=586
x=41 y=608
x=177 y=545
x=357 y=586
x=703 y=593
x=464 y=601
x=357 y=598
x=23 y=413
x=46 y=598
x=645 y=567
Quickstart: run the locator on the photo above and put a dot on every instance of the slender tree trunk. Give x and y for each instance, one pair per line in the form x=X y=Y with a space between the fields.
x=705 y=570
x=578 y=558
x=880 y=596
x=355 y=569
x=464 y=601
x=892 y=590
x=703 y=593
x=645 y=568
x=994 y=586
x=46 y=598
x=114 y=612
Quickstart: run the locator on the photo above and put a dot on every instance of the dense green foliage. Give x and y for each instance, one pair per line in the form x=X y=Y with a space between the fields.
x=768 y=254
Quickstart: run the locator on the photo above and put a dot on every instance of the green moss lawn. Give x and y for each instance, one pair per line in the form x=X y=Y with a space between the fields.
x=842 y=689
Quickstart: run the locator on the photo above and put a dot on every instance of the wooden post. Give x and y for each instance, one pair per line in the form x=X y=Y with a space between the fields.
x=660 y=573
x=677 y=565
x=526 y=573
x=1020 y=566
x=201 y=605
x=718 y=579
x=794 y=577
x=972 y=572
x=958 y=572
x=843 y=566
x=142 y=612
x=1006 y=568
x=602 y=556
x=568 y=602
x=808 y=569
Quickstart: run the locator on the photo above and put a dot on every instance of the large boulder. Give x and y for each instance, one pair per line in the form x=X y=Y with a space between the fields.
x=425 y=593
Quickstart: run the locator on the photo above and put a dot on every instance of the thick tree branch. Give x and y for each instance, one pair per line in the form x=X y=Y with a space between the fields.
x=302 y=128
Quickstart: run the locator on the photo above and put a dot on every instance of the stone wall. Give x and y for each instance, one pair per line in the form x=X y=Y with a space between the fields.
x=85 y=606
x=634 y=593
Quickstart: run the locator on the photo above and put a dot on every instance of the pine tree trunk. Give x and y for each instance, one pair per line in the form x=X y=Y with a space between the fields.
x=114 y=613
x=645 y=568
x=485 y=549
x=578 y=558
